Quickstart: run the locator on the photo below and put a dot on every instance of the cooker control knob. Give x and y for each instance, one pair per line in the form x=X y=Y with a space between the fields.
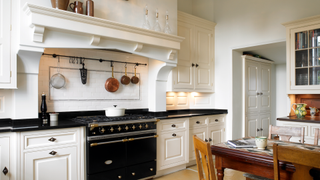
x=102 y=130
x=146 y=126
x=140 y=126
x=133 y=127
x=133 y=174
x=151 y=169
x=111 y=129
x=127 y=128
x=119 y=128
x=119 y=177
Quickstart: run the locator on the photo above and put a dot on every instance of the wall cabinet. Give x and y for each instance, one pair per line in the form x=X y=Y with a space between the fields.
x=256 y=95
x=6 y=57
x=303 y=53
x=52 y=154
x=195 y=69
x=208 y=128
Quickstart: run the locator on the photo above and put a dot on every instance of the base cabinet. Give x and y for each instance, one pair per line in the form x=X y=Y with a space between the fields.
x=309 y=130
x=5 y=158
x=258 y=125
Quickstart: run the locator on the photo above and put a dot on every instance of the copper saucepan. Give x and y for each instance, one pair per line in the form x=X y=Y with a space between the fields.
x=112 y=84
x=125 y=80
x=135 y=79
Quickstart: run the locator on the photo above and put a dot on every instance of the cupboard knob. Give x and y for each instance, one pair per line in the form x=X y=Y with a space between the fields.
x=52 y=139
x=198 y=122
x=133 y=174
x=261 y=129
x=258 y=130
x=53 y=153
x=173 y=125
x=216 y=120
x=151 y=169
x=206 y=140
x=5 y=171
x=174 y=134
x=192 y=65
x=210 y=139
x=197 y=65
x=119 y=177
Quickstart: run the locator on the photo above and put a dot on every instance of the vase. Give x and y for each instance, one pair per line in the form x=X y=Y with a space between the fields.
x=300 y=110
x=60 y=4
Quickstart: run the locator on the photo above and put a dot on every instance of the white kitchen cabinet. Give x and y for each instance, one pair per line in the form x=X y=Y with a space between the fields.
x=172 y=143
x=256 y=95
x=195 y=69
x=303 y=52
x=309 y=130
x=5 y=161
x=52 y=154
x=202 y=133
x=6 y=56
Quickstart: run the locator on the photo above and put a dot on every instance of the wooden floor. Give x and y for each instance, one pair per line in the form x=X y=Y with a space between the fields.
x=191 y=173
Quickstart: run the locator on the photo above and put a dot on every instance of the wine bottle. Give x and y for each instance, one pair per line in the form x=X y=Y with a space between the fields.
x=43 y=108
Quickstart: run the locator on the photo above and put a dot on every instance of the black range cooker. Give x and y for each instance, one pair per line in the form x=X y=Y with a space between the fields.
x=120 y=147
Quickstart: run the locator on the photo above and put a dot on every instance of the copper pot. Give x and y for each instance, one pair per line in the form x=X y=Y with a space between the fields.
x=112 y=84
x=60 y=4
x=135 y=79
x=125 y=80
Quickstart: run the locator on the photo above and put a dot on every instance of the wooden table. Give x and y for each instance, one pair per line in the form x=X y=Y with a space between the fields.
x=254 y=161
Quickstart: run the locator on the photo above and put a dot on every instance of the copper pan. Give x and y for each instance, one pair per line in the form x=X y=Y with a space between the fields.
x=112 y=84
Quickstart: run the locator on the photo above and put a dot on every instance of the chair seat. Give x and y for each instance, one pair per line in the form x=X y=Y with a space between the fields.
x=255 y=177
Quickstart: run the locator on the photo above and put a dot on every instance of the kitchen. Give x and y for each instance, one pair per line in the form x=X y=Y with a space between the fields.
x=226 y=15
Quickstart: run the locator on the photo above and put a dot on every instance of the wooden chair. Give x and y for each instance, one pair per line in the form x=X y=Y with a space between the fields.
x=286 y=132
x=316 y=136
x=205 y=163
x=301 y=158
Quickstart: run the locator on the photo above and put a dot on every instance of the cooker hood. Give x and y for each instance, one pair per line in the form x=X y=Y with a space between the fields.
x=43 y=27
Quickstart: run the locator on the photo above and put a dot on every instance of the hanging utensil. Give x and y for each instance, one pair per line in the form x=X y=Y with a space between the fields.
x=125 y=80
x=135 y=79
x=58 y=80
x=112 y=84
x=83 y=74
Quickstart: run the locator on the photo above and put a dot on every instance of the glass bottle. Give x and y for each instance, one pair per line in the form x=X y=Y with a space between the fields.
x=43 y=108
x=146 y=23
x=157 y=26
x=167 y=28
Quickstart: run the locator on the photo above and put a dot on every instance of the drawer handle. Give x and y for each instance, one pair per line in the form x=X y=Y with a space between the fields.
x=216 y=120
x=206 y=140
x=5 y=171
x=210 y=139
x=173 y=125
x=303 y=141
x=119 y=177
x=258 y=129
x=52 y=139
x=151 y=169
x=198 y=122
x=133 y=174
x=53 y=153
x=174 y=135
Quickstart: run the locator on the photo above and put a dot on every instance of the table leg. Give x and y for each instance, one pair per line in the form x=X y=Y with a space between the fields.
x=220 y=169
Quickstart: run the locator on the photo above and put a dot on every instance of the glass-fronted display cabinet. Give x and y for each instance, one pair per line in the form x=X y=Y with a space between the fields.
x=303 y=56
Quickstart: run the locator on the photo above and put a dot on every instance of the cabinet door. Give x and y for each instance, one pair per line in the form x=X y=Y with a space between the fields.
x=183 y=73
x=215 y=134
x=172 y=149
x=265 y=122
x=40 y=165
x=265 y=88
x=253 y=126
x=4 y=157
x=203 y=58
x=202 y=134
x=252 y=87
x=5 y=19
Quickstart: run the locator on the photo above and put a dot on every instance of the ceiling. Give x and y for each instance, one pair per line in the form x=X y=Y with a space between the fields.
x=272 y=51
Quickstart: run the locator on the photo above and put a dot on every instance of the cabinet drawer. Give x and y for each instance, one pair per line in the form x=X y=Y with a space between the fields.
x=49 y=138
x=215 y=120
x=175 y=124
x=197 y=122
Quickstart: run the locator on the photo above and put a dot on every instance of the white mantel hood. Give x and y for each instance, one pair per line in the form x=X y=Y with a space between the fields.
x=43 y=27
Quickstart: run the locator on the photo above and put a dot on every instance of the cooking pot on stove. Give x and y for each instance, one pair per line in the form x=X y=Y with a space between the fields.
x=114 y=111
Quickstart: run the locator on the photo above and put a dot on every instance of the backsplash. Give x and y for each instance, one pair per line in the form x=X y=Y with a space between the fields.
x=75 y=96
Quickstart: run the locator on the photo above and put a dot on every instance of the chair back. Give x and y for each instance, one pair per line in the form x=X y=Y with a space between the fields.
x=205 y=162
x=294 y=155
x=316 y=136
x=286 y=132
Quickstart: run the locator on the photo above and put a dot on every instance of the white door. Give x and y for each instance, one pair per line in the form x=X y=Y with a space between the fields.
x=265 y=122
x=202 y=134
x=252 y=87
x=5 y=23
x=253 y=126
x=172 y=151
x=183 y=73
x=265 y=88
x=203 y=58
x=215 y=134
x=4 y=158
x=45 y=165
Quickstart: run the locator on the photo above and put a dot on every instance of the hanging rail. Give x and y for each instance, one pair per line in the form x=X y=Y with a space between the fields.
x=94 y=59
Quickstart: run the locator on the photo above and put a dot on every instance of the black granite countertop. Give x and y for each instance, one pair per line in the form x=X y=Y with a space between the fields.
x=306 y=119
x=11 y=125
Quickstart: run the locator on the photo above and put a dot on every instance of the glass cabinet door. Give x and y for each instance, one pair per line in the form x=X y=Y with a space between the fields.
x=307 y=58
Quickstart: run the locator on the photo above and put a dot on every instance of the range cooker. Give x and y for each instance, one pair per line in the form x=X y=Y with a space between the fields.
x=120 y=147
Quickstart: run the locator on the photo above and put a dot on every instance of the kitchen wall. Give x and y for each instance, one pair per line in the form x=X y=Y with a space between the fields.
x=282 y=99
x=75 y=96
x=202 y=9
